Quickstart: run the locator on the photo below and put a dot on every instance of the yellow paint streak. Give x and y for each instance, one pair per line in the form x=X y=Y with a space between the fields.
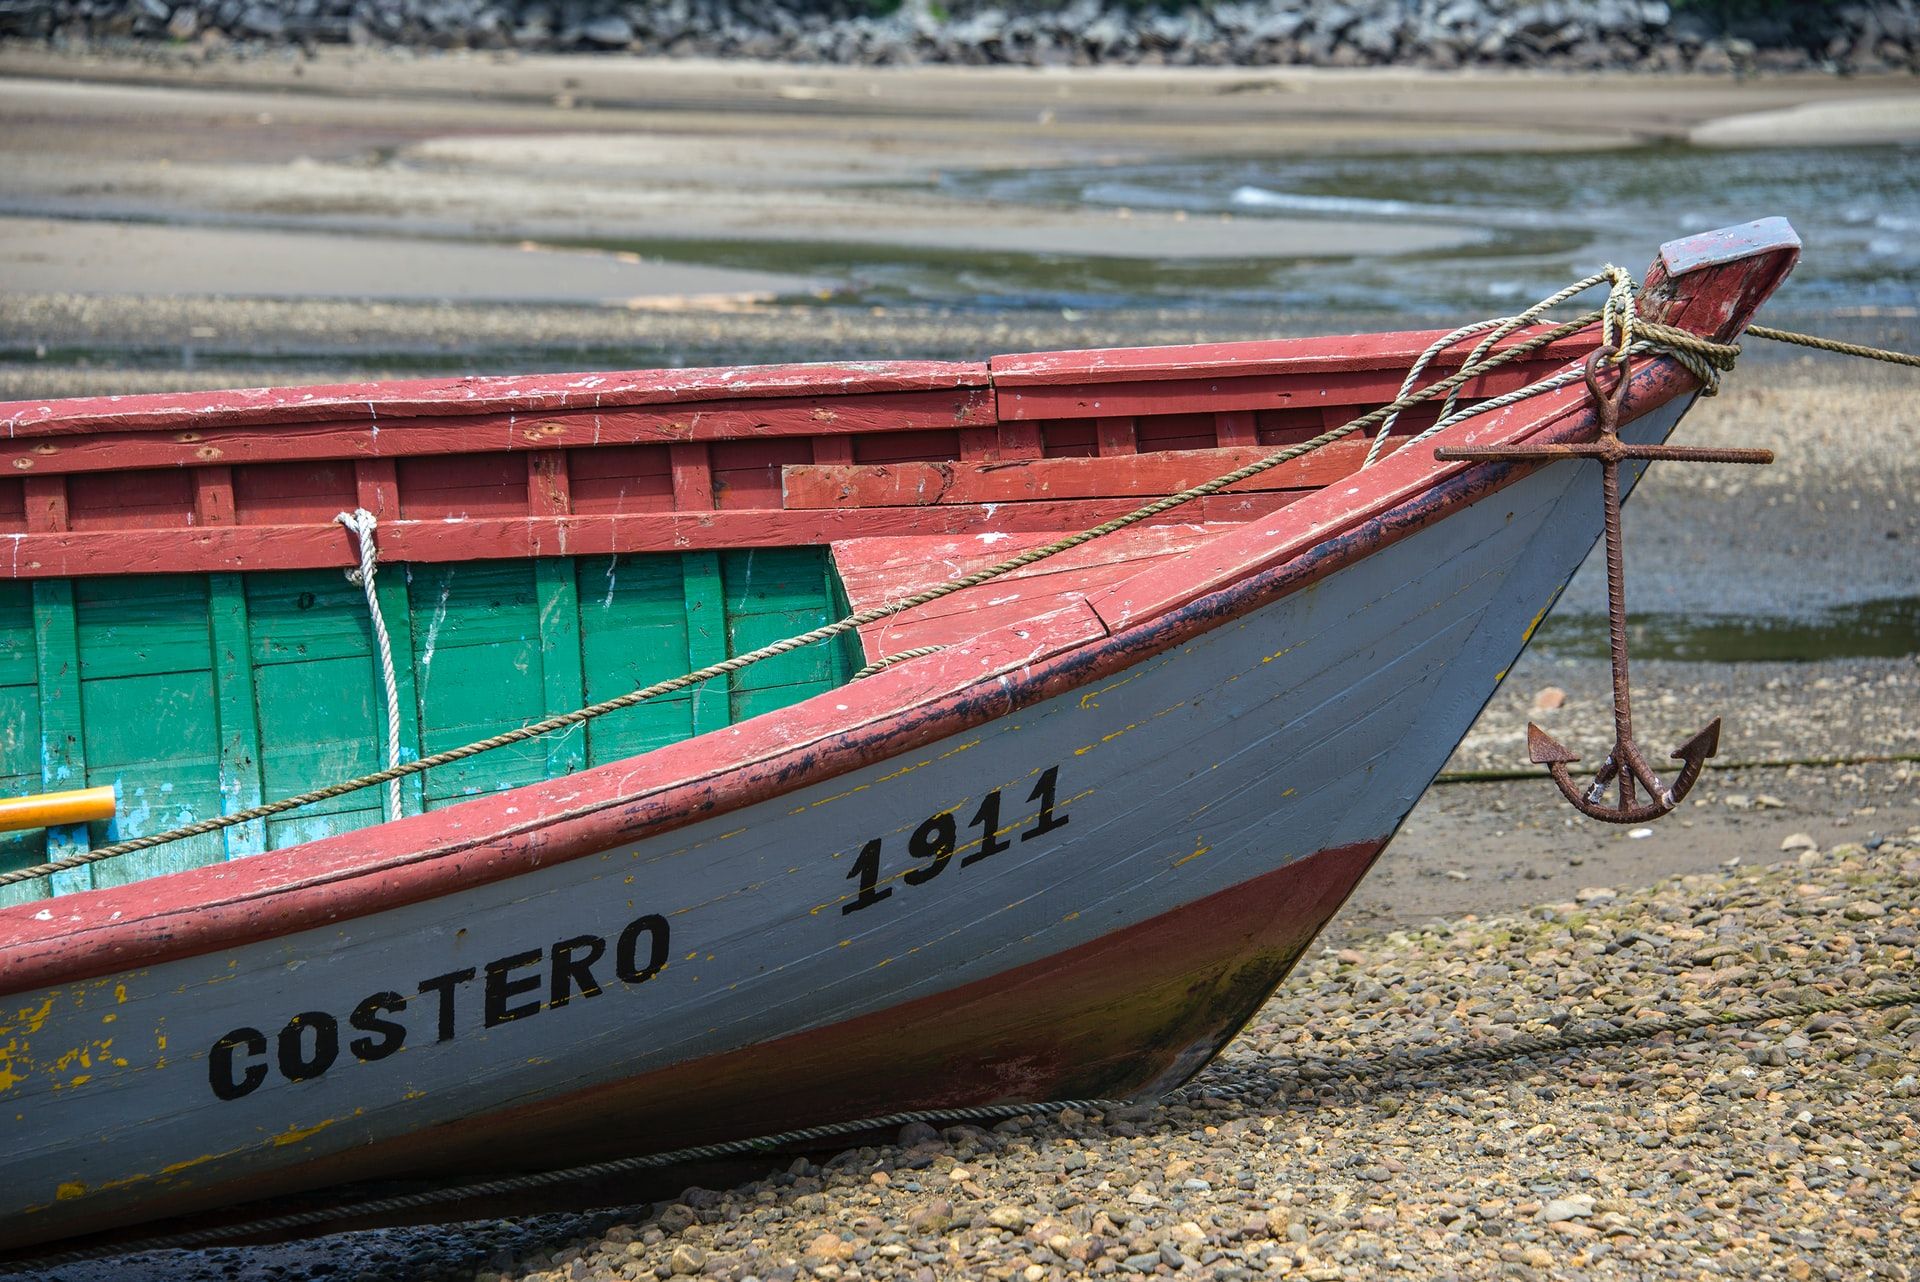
x=1280 y=653
x=838 y=796
x=189 y=1164
x=71 y=1191
x=1200 y=847
x=33 y=1020
x=1528 y=634
x=120 y=993
x=294 y=1134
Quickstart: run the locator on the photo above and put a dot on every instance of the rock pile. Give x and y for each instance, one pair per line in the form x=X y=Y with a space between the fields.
x=1653 y=35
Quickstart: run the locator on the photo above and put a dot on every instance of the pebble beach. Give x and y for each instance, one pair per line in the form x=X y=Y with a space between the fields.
x=1781 y=1149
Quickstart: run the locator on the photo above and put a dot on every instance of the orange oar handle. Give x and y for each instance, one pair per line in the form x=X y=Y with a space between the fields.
x=50 y=809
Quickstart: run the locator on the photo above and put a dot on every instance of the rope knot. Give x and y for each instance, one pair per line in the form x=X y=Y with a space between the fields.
x=362 y=524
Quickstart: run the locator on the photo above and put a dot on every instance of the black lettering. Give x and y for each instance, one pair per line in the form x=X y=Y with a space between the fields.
x=987 y=818
x=366 y=1019
x=444 y=985
x=574 y=974
x=500 y=989
x=867 y=869
x=625 y=957
x=296 y=1065
x=1043 y=792
x=220 y=1063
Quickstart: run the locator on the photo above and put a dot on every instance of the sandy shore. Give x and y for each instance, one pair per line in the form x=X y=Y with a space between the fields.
x=634 y=152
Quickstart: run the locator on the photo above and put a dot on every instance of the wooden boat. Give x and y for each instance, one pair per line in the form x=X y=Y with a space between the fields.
x=1066 y=854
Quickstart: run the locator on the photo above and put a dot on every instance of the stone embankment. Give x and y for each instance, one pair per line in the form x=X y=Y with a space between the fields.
x=1650 y=35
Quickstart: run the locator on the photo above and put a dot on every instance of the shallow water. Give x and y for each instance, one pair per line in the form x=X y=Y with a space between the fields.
x=1886 y=627
x=1543 y=220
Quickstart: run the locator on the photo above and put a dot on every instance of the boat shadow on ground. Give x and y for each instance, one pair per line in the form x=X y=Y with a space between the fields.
x=502 y=1231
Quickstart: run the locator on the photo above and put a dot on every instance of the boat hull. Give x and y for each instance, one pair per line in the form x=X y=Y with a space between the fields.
x=1124 y=872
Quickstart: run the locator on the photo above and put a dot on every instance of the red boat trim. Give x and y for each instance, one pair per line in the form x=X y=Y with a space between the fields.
x=409 y=860
x=519 y=394
x=405 y=861
x=1132 y=1012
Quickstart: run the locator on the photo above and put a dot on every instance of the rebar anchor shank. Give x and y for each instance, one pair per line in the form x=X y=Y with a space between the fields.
x=1624 y=763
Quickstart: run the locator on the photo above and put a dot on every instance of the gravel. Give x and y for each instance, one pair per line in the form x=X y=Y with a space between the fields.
x=1783 y=1149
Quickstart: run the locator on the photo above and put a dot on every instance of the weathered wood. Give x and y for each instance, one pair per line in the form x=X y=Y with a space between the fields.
x=78 y=554
x=562 y=679
x=1299 y=357
x=706 y=638
x=240 y=777
x=692 y=478
x=80 y=444
x=1347 y=390
x=62 y=735
x=880 y=570
x=531 y=394
x=1140 y=475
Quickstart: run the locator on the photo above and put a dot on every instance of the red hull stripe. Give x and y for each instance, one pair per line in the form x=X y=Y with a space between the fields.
x=1131 y=1013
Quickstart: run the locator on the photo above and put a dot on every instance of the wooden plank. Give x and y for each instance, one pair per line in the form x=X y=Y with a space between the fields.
x=213 y=495
x=772 y=593
x=475 y=655
x=633 y=632
x=832 y=449
x=240 y=769
x=62 y=731
x=529 y=394
x=977 y=445
x=1115 y=436
x=159 y=551
x=1295 y=357
x=1358 y=390
x=20 y=760
x=706 y=638
x=692 y=478
x=377 y=486
x=1020 y=440
x=876 y=571
x=1139 y=476
x=84 y=443
x=562 y=679
x=46 y=503
x=1237 y=427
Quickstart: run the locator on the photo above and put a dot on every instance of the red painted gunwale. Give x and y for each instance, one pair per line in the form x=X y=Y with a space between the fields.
x=443 y=852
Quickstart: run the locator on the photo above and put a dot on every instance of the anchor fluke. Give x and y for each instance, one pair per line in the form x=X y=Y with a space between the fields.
x=1545 y=750
x=1625 y=768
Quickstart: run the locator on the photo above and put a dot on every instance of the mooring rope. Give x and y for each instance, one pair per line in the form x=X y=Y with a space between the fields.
x=1835 y=345
x=363 y=524
x=851 y=622
x=1621 y=330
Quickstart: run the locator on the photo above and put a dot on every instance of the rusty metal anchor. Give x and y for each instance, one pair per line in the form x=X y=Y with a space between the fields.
x=1625 y=763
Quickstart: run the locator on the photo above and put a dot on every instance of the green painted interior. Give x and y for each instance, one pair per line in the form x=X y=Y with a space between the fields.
x=204 y=694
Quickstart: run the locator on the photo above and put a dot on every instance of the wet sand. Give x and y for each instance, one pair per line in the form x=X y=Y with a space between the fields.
x=631 y=151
